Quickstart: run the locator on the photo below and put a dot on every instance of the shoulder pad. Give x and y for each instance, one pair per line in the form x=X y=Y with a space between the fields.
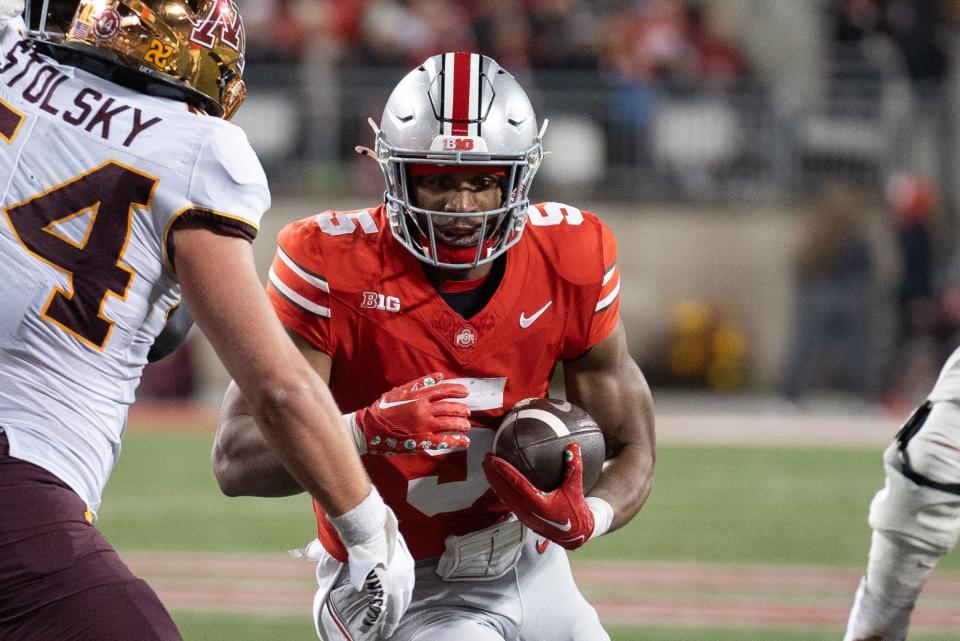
x=228 y=177
x=574 y=241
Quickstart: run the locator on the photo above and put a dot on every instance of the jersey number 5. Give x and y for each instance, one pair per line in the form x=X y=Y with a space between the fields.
x=108 y=195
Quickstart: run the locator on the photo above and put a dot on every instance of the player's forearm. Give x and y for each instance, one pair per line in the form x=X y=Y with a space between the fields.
x=619 y=399
x=301 y=423
x=627 y=477
x=626 y=483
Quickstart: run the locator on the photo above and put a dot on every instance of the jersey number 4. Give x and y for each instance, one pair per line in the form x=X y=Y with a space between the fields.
x=107 y=195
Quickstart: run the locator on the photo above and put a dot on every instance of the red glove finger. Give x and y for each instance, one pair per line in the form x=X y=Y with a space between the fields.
x=573 y=481
x=508 y=482
x=451 y=410
x=434 y=378
x=441 y=391
x=561 y=516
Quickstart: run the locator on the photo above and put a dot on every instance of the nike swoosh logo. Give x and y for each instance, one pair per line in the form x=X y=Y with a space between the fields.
x=527 y=321
x=563 y=527
x=542 y=546
x=385 y=405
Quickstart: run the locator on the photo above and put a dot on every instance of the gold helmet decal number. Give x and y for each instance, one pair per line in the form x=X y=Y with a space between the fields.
x=158 y=54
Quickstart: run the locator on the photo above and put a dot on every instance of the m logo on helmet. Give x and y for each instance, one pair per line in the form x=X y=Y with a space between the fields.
x=223 y=17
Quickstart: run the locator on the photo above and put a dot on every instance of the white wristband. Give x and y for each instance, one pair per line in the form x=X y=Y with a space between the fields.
x=350 y=420
x=602 y=515
x=363 y=521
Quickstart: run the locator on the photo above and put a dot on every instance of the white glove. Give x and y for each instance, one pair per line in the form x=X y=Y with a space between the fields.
x=10 y=9
x=378 y=562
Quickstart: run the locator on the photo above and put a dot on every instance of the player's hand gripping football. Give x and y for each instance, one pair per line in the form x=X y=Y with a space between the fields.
x=419 y=415
x=561 y=516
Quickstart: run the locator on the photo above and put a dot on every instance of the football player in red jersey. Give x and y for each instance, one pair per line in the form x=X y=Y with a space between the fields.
x=431 y=315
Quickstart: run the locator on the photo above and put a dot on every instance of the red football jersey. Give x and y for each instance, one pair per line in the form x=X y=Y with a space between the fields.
x=342 y=282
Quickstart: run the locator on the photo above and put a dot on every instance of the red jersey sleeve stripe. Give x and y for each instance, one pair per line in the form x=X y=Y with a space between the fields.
x=609 y=290
x=291 y=296
x=607 y=275
x=308 y=284
x=314 y=279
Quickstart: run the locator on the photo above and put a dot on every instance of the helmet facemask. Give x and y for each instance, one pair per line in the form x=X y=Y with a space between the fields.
x=417 y=133
x=48 y=19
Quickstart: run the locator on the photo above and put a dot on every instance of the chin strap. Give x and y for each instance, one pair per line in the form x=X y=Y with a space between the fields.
x=458 y=255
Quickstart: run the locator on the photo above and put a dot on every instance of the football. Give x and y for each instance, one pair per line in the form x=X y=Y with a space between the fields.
x=534 y=434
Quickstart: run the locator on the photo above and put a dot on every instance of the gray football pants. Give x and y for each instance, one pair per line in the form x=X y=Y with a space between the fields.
x=535 y=601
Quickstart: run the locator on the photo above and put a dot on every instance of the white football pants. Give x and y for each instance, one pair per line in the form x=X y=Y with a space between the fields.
x=535 y=601
x=913 y=524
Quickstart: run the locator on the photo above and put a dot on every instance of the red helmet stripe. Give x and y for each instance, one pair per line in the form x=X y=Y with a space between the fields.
x=461 y=93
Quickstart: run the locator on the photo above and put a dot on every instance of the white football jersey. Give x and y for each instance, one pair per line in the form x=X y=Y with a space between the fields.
x=92 y=176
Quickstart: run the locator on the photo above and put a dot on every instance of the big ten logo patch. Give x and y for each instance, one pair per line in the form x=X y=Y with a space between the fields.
x=158 y=54
x=458 y=144
x=374 y=300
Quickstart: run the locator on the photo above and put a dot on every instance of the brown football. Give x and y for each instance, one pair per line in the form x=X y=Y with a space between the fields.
x=534 y=434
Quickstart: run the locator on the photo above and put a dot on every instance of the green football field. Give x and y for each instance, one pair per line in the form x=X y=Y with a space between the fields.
x=721 y=506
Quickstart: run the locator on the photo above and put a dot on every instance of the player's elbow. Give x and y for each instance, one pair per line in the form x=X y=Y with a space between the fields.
x=229 y=471
x=243 y=461
x=227 y=479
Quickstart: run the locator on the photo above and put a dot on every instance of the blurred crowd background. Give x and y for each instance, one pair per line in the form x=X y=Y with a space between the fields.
x=782 y=175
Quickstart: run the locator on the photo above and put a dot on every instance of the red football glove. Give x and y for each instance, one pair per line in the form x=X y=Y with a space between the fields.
x=561 y=516
x=415 y=416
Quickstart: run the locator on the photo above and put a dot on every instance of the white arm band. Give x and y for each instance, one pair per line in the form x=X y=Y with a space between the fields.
x=350 y=420
x=602 y=515
x=363 y=521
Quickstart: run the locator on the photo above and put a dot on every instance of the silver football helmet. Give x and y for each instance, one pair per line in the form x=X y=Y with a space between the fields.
x=464 y=111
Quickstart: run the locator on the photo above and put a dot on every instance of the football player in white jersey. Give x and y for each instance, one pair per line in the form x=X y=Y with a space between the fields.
x=915 y=517
x=431 y=314
x=123 y=187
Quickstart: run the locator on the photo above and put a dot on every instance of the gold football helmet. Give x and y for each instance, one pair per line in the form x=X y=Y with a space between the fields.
x=196 y=46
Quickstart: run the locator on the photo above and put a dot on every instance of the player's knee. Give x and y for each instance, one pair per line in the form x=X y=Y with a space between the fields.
x=927 y=516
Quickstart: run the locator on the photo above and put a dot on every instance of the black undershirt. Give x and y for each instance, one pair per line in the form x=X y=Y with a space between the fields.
x=468 y=303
